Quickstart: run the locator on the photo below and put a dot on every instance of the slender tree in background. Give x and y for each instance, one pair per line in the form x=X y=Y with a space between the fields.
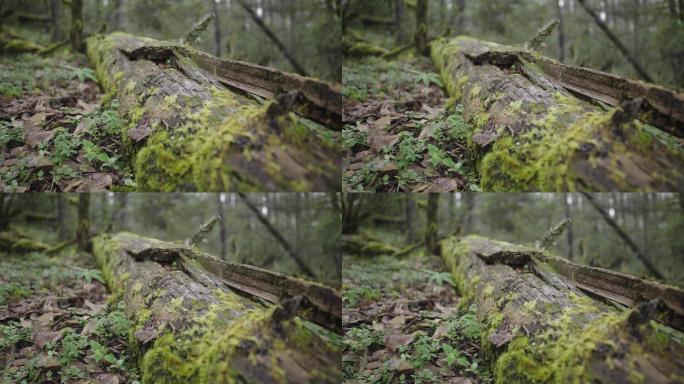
x=54 y=19
x=122 y=211
x=410 y=218
x=83 y=227
x=222 y=224
x=432 y=229
x=400 y=21
x=278 y=236
x=61 y=215
x=420 y=38
x=76 y=32
x=623 y=235
x=561 y=34
x=568 y=230
x=117 y=14
x=460 y=17
x=217 y=28
x=288 y=55
x=615 y=40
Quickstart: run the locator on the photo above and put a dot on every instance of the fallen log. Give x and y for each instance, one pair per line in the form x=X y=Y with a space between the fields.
x=540 y=125
x=187 y=131
x=541 y=326
x=191 y=326
x=19 y=242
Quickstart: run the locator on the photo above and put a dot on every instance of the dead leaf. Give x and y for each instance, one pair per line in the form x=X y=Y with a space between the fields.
x=108 y=378
x=47 y=362
x=382 y=122
x=89 y=327
x=141 y=131
x=87 y=108
x=46 y=318
x=42 y=338
x=35 y=136
x=381 y=140
x=38 y=118
x=395 y=339
x=96 y=182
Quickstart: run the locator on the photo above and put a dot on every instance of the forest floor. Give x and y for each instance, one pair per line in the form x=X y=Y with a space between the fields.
x=399 y=131
x=57 y=131
x=58 y=323
x=405 y=323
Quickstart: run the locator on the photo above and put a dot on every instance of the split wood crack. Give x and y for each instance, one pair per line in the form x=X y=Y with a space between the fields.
x=311 y=301
x=652 y=300
x=311 y=98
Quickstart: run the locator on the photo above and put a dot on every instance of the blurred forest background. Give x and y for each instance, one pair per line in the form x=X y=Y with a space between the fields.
x=652 y=31
x=654 y=222
x=309 y=30
x=308 y=222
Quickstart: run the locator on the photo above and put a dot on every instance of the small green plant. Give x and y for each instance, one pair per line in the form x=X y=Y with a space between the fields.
x=439 y=278
x=12 y=333
x=453 y=355
x=351 y=137
x=89 y=275
x=73 y=345
x=439 y=158
x=406 y=178
x=426 y=78
x=410 y=150
x=65 y=145
x=425 y=349
x=458 y=128
x=81 y=73
x=360 y=338
x=9 y=133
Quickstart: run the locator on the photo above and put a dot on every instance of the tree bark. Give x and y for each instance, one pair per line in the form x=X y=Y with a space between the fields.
x=199 y=321
x=276 y=41
x=76 y=32
x=61 y=215
x=561 y=32
x=623 y=235
x=54 y=20
x=568 y=231
x=432 y=229
x=222 y=225
x=530 y=131
x=420 y=38
x=534 y=318
x=400 y=22
x=410 y=218
x=83 y=226
x=641 y=71
x=117 y=15
x=217 y=28
x=279 y=237
x=188 y=132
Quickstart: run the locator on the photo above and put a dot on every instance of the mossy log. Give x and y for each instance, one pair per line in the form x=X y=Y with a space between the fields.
x=366 y=245
x=540 y=326
x=10 y=43
x=190 y=327
x=17 y=242
x=186 y=130
x=541 y=125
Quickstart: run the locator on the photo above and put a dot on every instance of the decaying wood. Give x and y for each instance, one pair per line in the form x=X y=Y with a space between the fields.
x=192 y=325
x=541 y=125
x=551 y=236
x=189 y=132
x=543 y=327
x=200 y=26
x=538 y=39
x=202 y=231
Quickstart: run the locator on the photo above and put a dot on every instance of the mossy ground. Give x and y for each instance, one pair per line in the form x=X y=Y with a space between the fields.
x=404 y=322
x=399 y=132
x=58 y=322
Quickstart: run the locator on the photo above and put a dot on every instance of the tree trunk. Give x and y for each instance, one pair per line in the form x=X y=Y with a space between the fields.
x=568 y=231
x=189 y=132
x=121 y=211
x=561 y=34
x=54 y=20
x=279 y=237
x=83 y=226
x=61 y=215
x=420 y=38
x=217 y=28
x=76 y=32
x=530 y=131
x=199 y=321
x=222 y=225
x=279 y=44
x=410 y=218
x=641 y=71
x=623 y=235
x=432 y=229
x=400 y=22
x=117 y=15
x=534 y=318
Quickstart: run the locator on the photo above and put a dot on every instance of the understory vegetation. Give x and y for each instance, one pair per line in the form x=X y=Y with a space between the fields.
x=57 y=131
x=405 y=322
x=399 y=132
x=58 y=324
